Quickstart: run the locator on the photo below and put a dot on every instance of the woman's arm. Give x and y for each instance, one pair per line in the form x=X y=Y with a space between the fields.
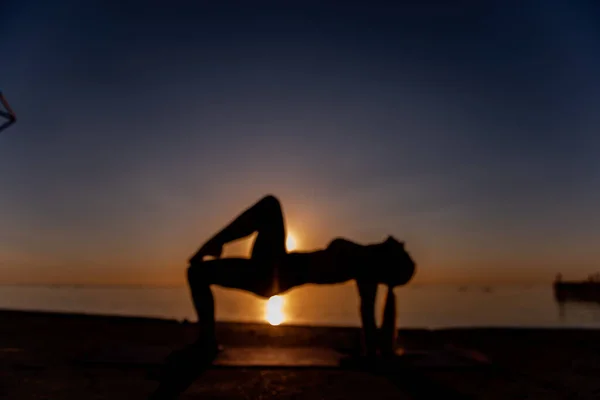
x=389 y=331
x=368 y=292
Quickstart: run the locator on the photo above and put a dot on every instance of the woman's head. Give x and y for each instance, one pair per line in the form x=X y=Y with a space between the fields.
x=395 y=263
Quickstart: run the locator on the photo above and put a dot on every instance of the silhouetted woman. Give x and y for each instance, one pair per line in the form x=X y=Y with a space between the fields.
x=271 y=270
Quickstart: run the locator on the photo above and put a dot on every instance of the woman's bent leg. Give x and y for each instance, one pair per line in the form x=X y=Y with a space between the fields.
x=264 y=217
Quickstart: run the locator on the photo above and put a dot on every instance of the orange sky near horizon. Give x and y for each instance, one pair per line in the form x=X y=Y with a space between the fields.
x=158 y=257
x=168 y=268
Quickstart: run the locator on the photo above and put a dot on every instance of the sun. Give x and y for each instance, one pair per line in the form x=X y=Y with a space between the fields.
x=274 y=310
x=290 y=242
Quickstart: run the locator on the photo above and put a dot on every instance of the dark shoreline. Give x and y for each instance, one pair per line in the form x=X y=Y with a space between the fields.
x=38 y=353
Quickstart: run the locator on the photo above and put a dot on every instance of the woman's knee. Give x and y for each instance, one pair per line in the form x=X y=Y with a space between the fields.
x=270 y=203
x=197 y=275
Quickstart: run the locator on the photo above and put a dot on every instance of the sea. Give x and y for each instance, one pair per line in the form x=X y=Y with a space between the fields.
x=418 y=306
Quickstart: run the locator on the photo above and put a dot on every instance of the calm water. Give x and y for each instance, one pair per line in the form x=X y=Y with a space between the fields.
x=430 y=306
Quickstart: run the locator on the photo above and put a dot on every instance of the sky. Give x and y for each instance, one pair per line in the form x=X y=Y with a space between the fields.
x=468 y=130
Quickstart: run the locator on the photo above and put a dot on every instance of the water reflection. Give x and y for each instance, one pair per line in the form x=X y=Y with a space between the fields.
x=274 y=310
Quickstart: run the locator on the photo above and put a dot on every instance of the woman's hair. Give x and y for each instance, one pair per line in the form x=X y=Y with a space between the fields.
x=397 y=262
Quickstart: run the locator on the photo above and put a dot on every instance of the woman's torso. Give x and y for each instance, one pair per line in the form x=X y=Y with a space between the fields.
x=329 y=266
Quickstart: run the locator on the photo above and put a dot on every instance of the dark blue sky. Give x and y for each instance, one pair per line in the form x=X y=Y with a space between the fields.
x=469 y=130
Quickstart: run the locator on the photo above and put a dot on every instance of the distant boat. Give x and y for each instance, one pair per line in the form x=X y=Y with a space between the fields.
x=588 y=290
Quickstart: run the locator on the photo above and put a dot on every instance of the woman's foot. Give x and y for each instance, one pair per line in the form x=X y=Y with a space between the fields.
x=210 y=249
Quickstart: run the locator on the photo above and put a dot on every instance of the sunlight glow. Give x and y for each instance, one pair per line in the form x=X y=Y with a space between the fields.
x=274 y=310
x=290 y=242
